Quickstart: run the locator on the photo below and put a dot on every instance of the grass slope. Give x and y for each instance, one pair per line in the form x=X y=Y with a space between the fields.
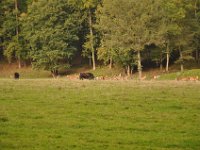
x=186 y=73
x=7 y=71
x=97 y=115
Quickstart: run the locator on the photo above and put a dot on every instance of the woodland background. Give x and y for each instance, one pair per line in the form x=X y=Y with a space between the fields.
x=133 y=34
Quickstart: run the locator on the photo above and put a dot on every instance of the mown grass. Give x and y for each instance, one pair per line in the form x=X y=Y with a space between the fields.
x=99 y=115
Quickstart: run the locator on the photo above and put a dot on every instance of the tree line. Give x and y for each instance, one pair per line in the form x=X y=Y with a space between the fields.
x=49 y=33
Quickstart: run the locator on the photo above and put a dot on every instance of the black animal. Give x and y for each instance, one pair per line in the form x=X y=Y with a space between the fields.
x=16 y=75
x=89 y=76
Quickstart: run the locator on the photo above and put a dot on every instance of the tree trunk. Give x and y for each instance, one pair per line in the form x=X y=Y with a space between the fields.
x=9 y=61
x=25 y=64
x=131 y=71
x=110 y=65
x=195 y=13
x=167 y=63
x=161 y=59
x=54 y=73
x=19 y=63
x=181 y=58
x=182 y=68
x=197 y=56
x=161 y=66
x=92 y=41
x=139 y=66
x=90 y=62
x=128 y=71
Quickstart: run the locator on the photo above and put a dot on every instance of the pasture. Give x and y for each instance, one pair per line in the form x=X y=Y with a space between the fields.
x=56 y=114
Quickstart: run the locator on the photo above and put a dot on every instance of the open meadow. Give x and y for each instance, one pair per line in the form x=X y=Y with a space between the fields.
x=57 y=114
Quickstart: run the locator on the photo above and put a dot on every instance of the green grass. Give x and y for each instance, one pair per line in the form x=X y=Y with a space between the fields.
x=57 y=114
x=186 y=73
x=25 y=73
x=99 y=72
x=105 y=71
x=7 y=71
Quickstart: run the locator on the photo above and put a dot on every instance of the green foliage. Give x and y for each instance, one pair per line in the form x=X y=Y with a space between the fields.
x=89 y=4
x=48 y=33
x=8 y=29
x=125 y=29
x=13 y=40
x=91 y=42
x=51 y=28
x=12 y=49
x=87 y=46
x=106 y=72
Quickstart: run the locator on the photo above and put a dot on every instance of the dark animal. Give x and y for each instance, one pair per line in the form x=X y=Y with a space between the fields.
x=89 y=76
x=16 y=75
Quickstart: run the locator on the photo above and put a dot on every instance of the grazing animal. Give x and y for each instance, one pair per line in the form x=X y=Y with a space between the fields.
x=89 y=76
x=73 y=77
x=16 y=75
x=194 y=78
x=156 y=77
x=188 y=78
x=143 y=78
x=100 y=78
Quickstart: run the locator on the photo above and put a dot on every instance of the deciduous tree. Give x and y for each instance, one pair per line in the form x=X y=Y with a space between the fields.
x=51 y=28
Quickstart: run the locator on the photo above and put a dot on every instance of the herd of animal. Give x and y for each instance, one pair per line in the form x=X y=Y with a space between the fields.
x=196 y=78
x=90 y=76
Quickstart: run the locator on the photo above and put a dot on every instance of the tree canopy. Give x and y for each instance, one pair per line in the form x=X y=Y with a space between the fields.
x=49 y=33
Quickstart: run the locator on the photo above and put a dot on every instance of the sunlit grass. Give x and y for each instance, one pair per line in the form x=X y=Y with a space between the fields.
x=55 y=114
x=25 y=73
x=186 y=73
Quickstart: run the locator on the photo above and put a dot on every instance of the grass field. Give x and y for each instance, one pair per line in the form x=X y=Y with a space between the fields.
x=25 y=73
x=45 y=114
x=186 y=73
